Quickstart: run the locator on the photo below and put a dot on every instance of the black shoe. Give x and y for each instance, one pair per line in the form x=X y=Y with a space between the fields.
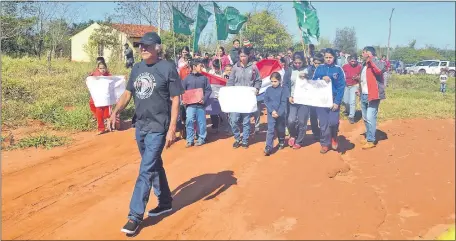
x=130 y=227
x=245 y=145
x=236 y=144
x=267 y=151
x=159 y=210
x=281 y=145
x=351 y=120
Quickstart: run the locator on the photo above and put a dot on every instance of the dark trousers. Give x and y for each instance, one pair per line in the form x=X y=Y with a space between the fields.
x=275 y=125
x=314 y=122
x=329 y=124
x=215 y=120
x=297 y=122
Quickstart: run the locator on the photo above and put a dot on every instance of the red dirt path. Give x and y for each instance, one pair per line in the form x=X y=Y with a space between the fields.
x=402 y=189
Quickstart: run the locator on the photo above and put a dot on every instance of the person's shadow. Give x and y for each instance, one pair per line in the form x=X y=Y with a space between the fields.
x=206 y=187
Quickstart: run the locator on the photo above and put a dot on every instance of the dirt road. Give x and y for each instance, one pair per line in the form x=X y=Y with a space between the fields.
x=403 y=189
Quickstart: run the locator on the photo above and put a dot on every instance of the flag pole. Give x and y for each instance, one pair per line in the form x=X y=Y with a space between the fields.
x=174 y=41
x=303 y=45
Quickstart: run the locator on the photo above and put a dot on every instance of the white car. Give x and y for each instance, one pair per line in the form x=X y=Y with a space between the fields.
x=422 y=67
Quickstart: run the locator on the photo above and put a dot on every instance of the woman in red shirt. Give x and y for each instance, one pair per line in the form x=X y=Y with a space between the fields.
x=103 y=112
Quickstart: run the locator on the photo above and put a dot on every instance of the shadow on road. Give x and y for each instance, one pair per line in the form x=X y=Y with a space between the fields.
x=204 y=187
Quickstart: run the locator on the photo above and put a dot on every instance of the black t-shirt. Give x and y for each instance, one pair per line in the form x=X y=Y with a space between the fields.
x=152 y=87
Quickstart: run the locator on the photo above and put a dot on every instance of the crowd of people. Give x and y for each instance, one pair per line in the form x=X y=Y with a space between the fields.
x=159 y=85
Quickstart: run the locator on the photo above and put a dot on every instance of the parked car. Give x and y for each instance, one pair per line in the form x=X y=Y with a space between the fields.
x=437 y=67
x=422 y=67
x=407 y=68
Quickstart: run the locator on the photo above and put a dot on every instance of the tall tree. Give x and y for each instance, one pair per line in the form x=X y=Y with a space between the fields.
x=346 y=40
x=266 y=32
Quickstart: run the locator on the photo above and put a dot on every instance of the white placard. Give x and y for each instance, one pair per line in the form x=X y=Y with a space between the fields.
x=313 y=93
x=105 y=90
x=238 y=99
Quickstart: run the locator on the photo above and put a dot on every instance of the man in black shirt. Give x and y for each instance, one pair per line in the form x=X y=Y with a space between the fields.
x=156 y=87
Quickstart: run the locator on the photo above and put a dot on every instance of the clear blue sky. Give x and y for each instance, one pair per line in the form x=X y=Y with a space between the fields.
x=428 y=22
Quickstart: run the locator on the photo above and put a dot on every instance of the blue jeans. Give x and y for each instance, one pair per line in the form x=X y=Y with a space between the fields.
x=442 y=87
x=198 y=114
x=370 y=111
x=151 y=174
x=329 y=124
x=235 y=118
x=350 y=100
x=275 y=124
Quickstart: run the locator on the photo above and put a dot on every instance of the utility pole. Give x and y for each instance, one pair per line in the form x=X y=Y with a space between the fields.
x=389 y=35
x=159 y=17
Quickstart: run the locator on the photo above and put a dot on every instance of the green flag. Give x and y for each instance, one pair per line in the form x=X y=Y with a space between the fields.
x=235 y=20
x=221 y=23
x=307 y=18
x=202 y=18
x=305 y=37
x=181 y=23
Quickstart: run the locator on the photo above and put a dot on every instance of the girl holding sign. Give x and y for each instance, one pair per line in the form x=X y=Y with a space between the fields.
x=298 y=114
x=329 y=117
x=103 y=112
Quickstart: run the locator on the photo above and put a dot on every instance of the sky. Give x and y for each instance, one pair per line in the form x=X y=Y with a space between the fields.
x=430 y=23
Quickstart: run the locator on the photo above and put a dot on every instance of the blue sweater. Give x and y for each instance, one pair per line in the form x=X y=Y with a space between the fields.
x=276 y=99
x=195 y=81
x=337 y=76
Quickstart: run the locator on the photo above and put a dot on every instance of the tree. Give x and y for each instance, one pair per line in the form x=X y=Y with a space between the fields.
x=323 y=43
x=266 y=33
x=346 y=40
x=104 y=37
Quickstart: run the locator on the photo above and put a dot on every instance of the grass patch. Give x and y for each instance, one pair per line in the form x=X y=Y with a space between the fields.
x=416 y=96
x=42 y=140
x=59 y=97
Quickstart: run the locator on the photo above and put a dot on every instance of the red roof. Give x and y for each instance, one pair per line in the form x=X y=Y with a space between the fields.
x=134 y=30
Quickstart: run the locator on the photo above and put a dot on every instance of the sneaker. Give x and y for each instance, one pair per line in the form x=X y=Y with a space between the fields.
x=199 y=143
x=130 y=227
x=324 y=149
x=236 y=144
x=281 y=145
x=189 y=145
x=296 y=146
x=351 y=120
x=291 y=141
x=368 y=145
x=267 y=151
x=363 y=141
x=334 y=143
x=245 y=145
x=158 y=211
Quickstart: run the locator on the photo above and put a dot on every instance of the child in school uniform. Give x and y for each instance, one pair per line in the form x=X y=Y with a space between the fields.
x=196 y=112
x=275 y=99
x=443 y=79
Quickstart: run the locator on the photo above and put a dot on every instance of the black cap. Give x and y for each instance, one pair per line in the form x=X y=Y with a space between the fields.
x=148 y=39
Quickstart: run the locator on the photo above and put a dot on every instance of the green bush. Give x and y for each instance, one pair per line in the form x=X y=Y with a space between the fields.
x=58 y=97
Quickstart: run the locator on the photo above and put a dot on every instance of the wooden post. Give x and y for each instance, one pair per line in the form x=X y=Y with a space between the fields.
x=303 y=45
x=389 y=35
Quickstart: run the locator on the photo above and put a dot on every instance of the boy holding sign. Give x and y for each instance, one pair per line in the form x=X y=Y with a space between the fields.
x=275 y=99
x=197 y=92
